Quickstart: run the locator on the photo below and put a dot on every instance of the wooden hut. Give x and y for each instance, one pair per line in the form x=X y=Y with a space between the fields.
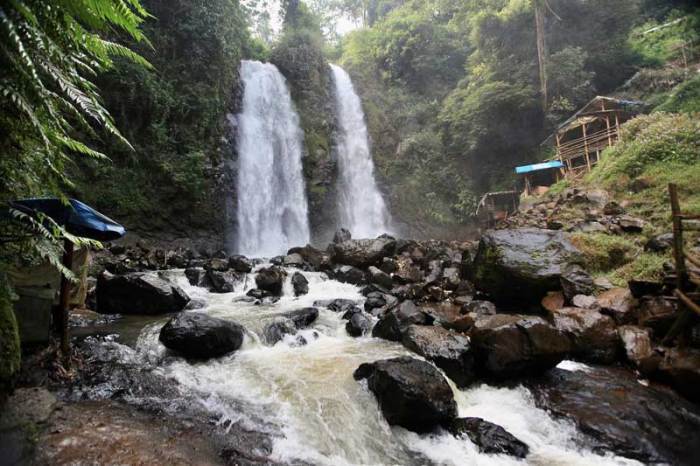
x=581 y=139
x=496 y=206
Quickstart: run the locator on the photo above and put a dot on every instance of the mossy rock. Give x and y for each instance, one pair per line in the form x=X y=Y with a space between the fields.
x=520 y=266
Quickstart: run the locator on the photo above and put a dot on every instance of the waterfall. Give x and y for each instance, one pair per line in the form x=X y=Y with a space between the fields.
x=272 y=211
x=361 y=206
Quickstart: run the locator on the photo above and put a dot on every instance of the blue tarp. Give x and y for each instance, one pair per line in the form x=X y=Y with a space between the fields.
x=77 y=218
x=538 y=166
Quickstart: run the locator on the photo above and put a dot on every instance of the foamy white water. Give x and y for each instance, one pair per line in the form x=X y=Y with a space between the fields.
x=272 y=211
x=325 y=416
x=361 y=206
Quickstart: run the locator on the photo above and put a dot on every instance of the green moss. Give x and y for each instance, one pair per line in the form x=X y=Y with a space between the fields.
x=603 y=252
x=684 y=98
x=10 y=355
x=646 y=266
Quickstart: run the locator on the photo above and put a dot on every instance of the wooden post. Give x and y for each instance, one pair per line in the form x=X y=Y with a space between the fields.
x=681 y=273
x=679 y=259
x=558 y=147
x=64 y=303
x=585 y=147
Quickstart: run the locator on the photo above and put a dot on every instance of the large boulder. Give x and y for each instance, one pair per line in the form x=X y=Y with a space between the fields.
x=271 y=279
x=636 y=342
x=380 y=278
x=488 y=437
x=522 y=265
x=411 y=393
x=277 y=329
x=221 y=282
x=514 y=345
x=680 y=368
x=619 y=304
x=349 y=274
x=449 y=351
x=199 y=336
x=302 y=317
x=138 y=293
x=240 y=264
x=300 y=284
x=648 y=423
x=395 y=322
x=576 y=281
x=318 y=260
x=362 y=252
x=593 y=335
x=407 y=271
x=359 y=323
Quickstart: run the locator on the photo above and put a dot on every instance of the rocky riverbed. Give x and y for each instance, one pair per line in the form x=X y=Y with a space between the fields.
x=378 y=351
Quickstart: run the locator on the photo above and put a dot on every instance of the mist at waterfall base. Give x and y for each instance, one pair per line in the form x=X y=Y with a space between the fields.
x=305 y=397
x=361 y=208
x=272 y=210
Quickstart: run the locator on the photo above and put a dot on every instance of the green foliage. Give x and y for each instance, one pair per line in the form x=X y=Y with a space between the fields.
x=175 y=116
x=10 y=355
x=684 y=98
x=603 y=252
x=658 y=42
x=49 y=104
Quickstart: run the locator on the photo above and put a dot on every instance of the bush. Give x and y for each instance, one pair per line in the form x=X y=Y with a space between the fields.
x=684 y=98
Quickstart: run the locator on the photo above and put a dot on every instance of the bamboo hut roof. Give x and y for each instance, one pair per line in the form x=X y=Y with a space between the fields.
x=594 y=109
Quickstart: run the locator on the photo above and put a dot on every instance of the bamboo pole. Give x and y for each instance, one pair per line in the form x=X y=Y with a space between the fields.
x=678 y=255
x=541 y=51
x=64 y=303
x=585 y=147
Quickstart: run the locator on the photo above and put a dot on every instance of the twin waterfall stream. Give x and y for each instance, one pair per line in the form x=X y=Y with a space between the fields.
x=304 y=395
x=272 y=212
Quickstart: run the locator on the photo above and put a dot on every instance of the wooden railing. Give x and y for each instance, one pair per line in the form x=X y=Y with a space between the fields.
x=687 y=273
x=591 y=143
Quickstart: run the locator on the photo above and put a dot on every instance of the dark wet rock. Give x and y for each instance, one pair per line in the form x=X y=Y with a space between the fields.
x=199 y=336
x=641 y=288
x=434 y=272
x=358 y=324
x=349 y=274
x=302 y=317
x=489 y=437
x=680 y=368
x=371 y=288
x=197 y=276
x=271 y=279
x=375 y=300
x=222 y=282
x=342 y=235
x=619 y=304
x=380 y=278
x=450 y=277
x=650 y=424
x=293 y=260
x=613 y=208
x=521 y=265
x=509 y=346
x=138 y=293
x=240 y=264
x=196 y=304
x=412 y=291
x=217 y=264
x=351 y=312
x=317 y=259
x=394 y=323
x=258 y=293
x=388 y=265
x=450 y=351
x=407 y=271
x=630 y=224
x=339 y=305
x=410 y=392
x=658 y=313
x=576 y=281
x=300 y=284
x=479 y=308
x=276 y=331
x=636 y=341
x=362 y=252
x=593 y=335
x=660 y=243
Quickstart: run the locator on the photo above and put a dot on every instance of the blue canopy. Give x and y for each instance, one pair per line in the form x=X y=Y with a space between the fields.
x=77 y=218
x=539 y=166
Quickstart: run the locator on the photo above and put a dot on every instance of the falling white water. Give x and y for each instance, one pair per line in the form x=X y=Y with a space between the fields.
x=272 y=211
x=361 y=206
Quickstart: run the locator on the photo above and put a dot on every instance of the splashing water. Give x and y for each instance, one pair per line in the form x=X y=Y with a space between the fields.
x=361 y=206
x=272 y=211
x=326 y=417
